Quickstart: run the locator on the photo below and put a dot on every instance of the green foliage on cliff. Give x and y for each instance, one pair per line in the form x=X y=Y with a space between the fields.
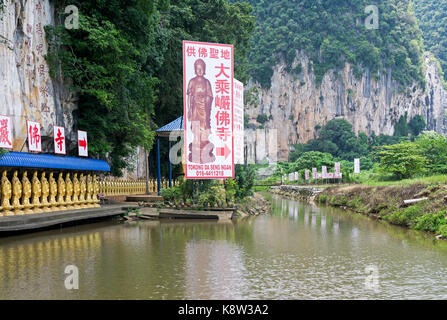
x=217 y=21
x=332 y=33
x=432 y=15
x=125 y=62
x=108 y=61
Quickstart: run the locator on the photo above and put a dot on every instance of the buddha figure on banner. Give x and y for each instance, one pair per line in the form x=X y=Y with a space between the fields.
x=200 y=99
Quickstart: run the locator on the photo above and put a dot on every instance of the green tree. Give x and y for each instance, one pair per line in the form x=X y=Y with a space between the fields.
x=434 y=147
x=416 y=125
x=107 y=60
x=403 y=160
x=401 y=127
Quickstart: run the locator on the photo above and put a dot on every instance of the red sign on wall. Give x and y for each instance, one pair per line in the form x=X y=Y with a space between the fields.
x=82 y=143
x=59 y=140
x=5 y=132
x=34 y=137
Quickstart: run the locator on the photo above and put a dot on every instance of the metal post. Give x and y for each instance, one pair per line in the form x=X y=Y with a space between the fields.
x=158 y=166
x=170 y=167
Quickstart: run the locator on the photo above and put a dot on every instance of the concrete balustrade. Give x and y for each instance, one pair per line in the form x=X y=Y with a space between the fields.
x=37 y=191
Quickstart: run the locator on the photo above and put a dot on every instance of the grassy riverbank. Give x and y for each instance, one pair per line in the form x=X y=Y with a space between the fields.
x=385 y=200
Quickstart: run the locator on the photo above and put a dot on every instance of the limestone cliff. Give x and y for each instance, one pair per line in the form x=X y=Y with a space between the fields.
x=295 y=105
x=27 y=92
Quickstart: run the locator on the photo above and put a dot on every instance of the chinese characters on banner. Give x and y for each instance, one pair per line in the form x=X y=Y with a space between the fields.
x=307 y=174
x=34 y=138
x=238 y=118
x=59 y=140
x=5 y=132
x=356 y=165
x=208 y=110
x=82 y=143
x=337 y=174
x=314 y=173
x=296 y=176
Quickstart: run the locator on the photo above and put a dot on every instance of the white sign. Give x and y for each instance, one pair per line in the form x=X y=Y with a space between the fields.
x=356 y=165
x=5 y=132
x=324 y=172
x=34 y=137
x=314 y=173
x=238 y=121
x=337 y=169
x=296 y=176
x=59 y=140
x=82 y=143
x=208 y=110
x=307 y=174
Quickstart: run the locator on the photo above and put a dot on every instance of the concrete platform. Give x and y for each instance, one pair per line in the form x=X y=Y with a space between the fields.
x=47 y=219
x=145 y=198
x=194 y=214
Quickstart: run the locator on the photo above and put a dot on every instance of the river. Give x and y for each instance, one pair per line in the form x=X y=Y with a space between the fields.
x=300 y=251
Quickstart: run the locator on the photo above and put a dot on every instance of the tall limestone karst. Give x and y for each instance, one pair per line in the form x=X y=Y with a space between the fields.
x=312 y=61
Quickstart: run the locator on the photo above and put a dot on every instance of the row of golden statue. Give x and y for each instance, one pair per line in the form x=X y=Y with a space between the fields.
x=116 y=187
x=22 y=196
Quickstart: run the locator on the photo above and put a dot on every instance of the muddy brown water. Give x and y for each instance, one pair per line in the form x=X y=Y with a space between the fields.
x=300 y=251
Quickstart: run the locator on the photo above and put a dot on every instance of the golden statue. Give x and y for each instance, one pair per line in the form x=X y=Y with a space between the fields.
x=89 y=191
x=61 y=192
x=200 y=99
x=76 y=191
x=16 y=194
x=45 y=192
x=69 y=186
x=26 y=195
x=95 y=192
x=6 y=195
x=82 y=201
x=53 y=193
x=37 y=193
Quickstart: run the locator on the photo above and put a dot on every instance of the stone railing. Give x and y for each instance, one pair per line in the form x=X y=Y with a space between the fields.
x=117 y=187
x=37 y=191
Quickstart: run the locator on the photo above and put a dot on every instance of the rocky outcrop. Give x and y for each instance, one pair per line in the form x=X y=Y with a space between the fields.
x=27 y=92
x=295 y=105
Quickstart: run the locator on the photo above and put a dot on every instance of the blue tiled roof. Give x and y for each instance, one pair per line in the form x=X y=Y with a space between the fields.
x=175 y=125
x=29 y=160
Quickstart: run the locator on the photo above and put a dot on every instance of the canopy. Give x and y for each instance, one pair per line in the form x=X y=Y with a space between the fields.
x=47 y=161
x=176 y=125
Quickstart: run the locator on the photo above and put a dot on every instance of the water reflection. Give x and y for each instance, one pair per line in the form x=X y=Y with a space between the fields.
x=300 y=251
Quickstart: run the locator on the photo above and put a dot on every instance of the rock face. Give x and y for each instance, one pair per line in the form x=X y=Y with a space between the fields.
x=295 y=104
x=27 y=92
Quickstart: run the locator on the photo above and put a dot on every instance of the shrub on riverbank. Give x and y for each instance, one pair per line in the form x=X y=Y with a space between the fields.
x=206 y=193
